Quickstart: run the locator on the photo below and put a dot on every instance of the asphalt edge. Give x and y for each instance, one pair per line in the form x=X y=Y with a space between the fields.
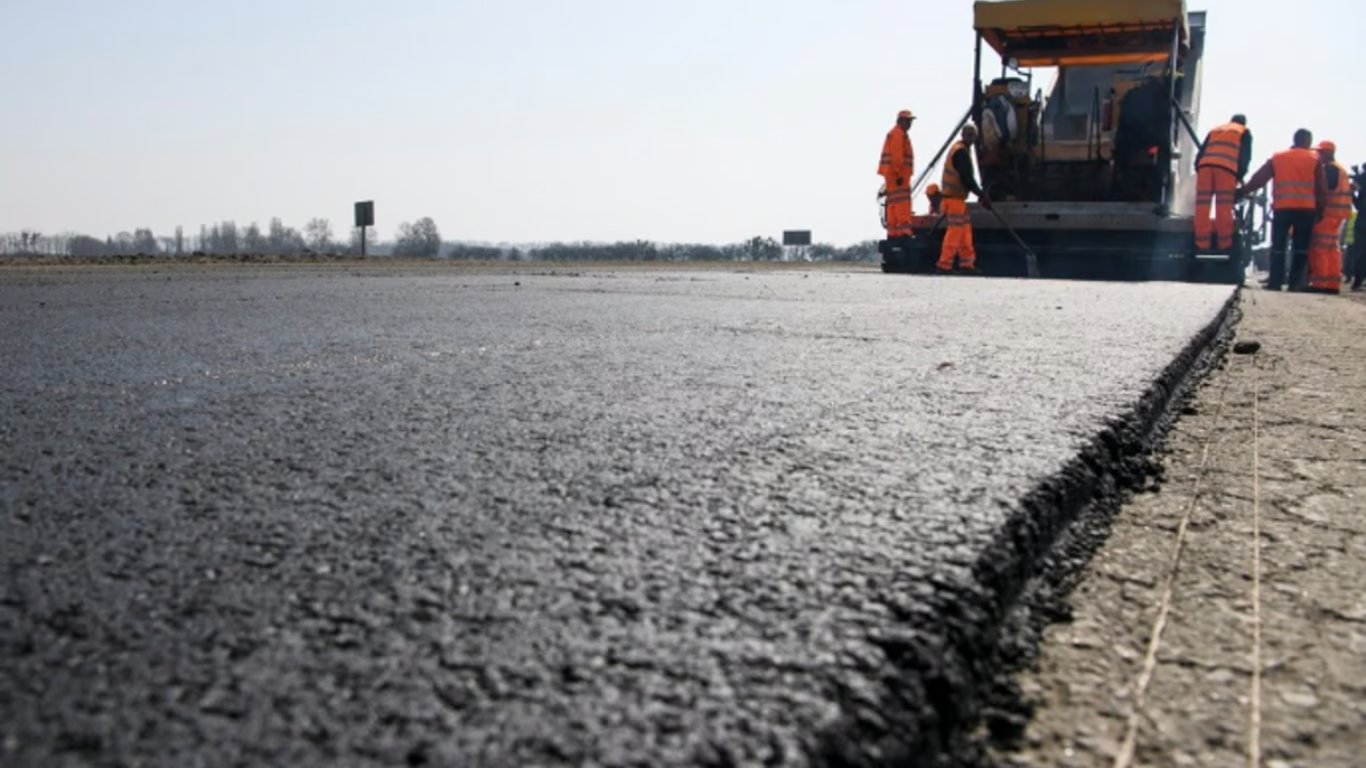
x=956 y=703
x=1067 y=520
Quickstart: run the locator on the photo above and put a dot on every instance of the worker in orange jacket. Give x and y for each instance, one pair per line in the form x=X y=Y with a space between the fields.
x=896 y=167
x=1325 y=249
x=1220 y=166
x=1298 y=197
x=958 y=180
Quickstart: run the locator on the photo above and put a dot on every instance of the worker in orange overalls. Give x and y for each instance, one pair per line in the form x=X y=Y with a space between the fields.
x=1220 y=167
x=1325 y=250
x=958 y=180
x=896 y=167
x=1297 y=199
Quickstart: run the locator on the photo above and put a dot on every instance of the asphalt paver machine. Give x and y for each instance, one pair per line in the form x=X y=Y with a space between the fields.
x=1097 y=177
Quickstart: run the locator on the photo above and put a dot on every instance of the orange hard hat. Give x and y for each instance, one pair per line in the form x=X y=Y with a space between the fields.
x=905 y=113
x=931 y=190
x=1327 y=146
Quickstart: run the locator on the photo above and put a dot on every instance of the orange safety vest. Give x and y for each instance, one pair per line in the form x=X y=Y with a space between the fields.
x=1339 y=204
x=1223 y=147
x=898 y=158
x=951 y=185
x=1295 y=170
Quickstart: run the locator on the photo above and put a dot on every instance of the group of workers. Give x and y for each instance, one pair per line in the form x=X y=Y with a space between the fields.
x=1312 y=200
x=949 y=198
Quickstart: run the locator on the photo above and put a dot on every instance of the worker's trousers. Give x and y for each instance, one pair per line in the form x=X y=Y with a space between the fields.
x=1297 y=226
x=1356 y=263
x=1325 y=255
x=898 y=207
x=957 y=236
x=1217 y=184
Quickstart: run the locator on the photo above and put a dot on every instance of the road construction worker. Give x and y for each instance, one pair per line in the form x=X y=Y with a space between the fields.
x=1220 y=166
x=1298 y=197
x=933 y=195
x=1325 y=250
x=1356 y=270
x=1349 y=241
x=896 y=167
x=958 y=180
x=1349 y=238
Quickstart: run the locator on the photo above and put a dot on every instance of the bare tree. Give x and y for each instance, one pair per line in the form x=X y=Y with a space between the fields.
x=421 y=238
x=252 y=239
x=144 y=242
x=282 y=239
x=28 y=241
x=319 y=234
x=227 y=237
x=59 y=244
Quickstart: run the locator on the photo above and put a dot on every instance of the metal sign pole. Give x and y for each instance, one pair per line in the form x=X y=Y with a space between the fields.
x=365 y=217
x=1174 y=135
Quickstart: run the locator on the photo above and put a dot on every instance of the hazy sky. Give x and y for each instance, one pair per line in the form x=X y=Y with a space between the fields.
x=524 y=120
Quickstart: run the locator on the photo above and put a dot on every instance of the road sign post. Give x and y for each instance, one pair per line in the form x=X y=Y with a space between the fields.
x=798 y=240
x=365 y=217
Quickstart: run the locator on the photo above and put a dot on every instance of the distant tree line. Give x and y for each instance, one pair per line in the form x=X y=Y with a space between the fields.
x=417 y=239
x=218 y=239
x=224 y=238
x=753 y=249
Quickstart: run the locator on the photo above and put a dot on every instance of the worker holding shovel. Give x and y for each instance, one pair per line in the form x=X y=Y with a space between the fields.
x=958 y=180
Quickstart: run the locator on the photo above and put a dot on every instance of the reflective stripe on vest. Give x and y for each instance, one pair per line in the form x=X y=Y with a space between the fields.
x=1223 y=147
x=951 y=185
x=1325 y=240
x=1339 y=204
x=1294 y=173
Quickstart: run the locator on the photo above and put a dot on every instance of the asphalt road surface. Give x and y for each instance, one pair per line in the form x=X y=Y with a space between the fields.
x=620 y=517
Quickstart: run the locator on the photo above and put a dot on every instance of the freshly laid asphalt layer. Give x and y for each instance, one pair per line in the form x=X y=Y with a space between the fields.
x=311 y=516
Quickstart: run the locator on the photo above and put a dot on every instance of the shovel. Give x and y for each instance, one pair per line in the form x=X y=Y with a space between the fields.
x=1031 y=261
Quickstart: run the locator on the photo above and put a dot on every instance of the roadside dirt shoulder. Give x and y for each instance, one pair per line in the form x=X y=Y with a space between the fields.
x=1188 y=644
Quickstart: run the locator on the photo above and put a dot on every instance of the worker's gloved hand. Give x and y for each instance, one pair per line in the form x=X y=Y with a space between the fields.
x=900 y=181
x=1239 y=194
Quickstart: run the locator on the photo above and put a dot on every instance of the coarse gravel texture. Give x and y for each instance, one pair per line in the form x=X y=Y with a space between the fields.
x=1273 y=450
x=614 y=517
